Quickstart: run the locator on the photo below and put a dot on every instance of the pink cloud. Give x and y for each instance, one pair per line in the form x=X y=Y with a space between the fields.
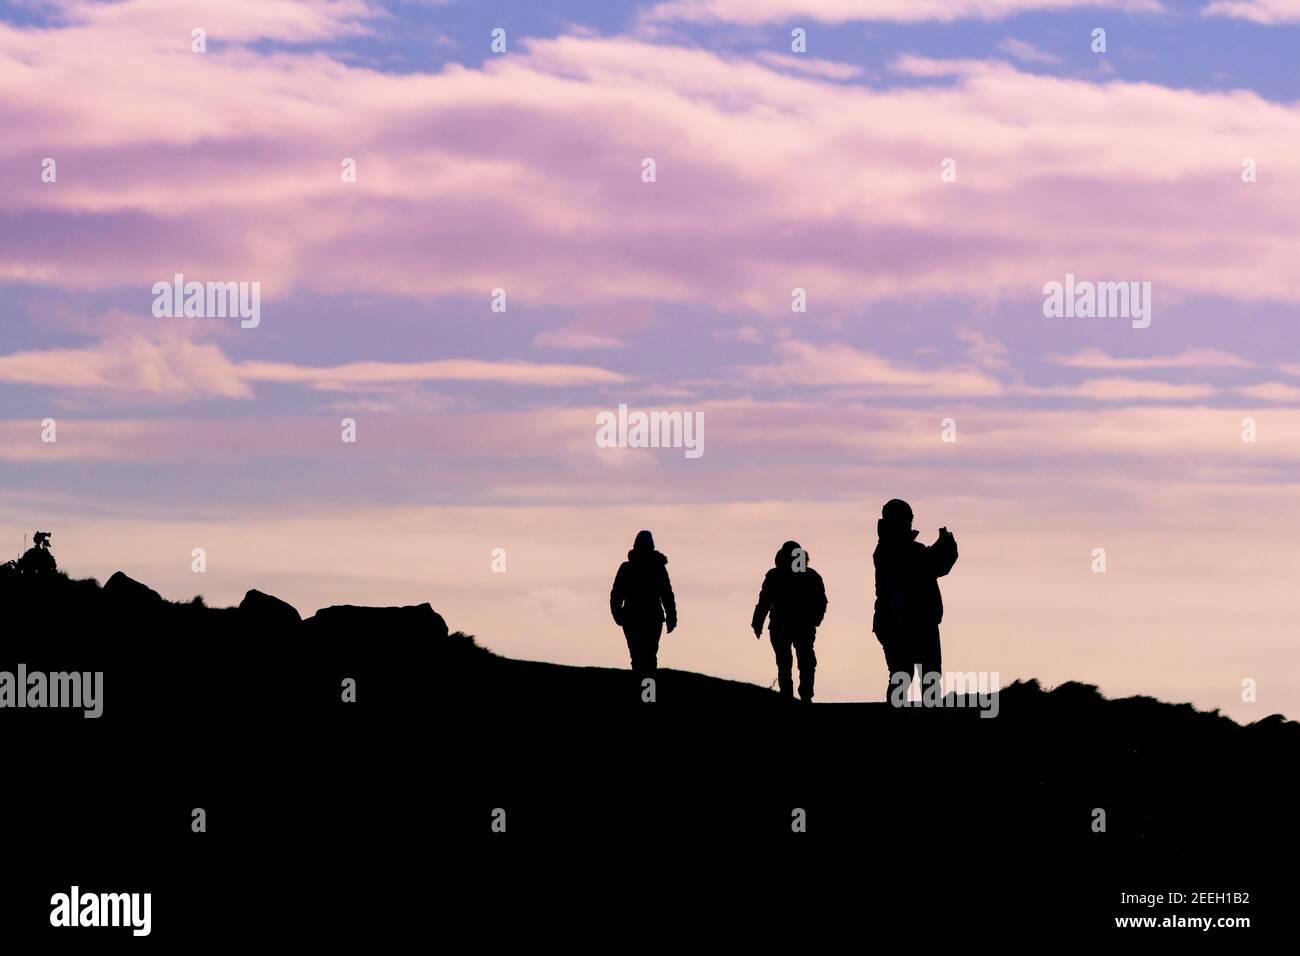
x=1027 y=52
x=575 y=339
x=360 y=375
x=909 y=64
x=1272 y=392
x=171 y=367
x=1129 y=390
x=1257 y=11
x=810 y=66
x=1188 y=358
x=223 y=20
x=902 y=11
x=803 y=363
x=526 y=175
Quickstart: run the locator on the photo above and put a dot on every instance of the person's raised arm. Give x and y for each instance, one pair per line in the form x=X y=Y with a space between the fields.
x=942 y=555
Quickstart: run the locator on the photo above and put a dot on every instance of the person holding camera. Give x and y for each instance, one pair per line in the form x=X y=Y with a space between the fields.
x=909 y=607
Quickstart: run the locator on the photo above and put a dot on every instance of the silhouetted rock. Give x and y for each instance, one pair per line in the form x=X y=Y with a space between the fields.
x=38 y=559
x=419 y=620
x=268 y=611
x=121 y=589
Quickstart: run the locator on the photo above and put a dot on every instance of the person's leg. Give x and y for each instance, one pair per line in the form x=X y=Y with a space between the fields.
x=633 y=645
x=900 y=658
x=636 y=648
x=930 y=658
x=654 y=630
x=784 y=661
x=803 y=645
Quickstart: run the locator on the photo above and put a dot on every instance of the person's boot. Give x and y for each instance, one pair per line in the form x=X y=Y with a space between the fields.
x=805 y=690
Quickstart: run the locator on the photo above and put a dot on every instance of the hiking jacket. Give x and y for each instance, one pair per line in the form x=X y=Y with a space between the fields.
x=907 y=573
x=796 y=600
x=642 y=593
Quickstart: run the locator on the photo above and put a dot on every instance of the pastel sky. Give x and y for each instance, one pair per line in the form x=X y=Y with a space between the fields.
x=1171 y=158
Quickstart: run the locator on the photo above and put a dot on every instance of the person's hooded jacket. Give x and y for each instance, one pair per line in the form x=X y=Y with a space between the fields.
x=792 y=593
x=907 y=573
x=642 y=593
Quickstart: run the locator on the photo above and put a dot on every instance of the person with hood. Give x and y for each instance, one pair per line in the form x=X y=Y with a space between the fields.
x=908 y=604
x=641 y=600
x=795 y=598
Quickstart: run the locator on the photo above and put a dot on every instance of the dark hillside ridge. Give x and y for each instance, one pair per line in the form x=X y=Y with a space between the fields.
x=240 y=711
x=250 y=680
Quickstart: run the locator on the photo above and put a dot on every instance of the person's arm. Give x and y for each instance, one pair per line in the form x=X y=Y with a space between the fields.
x=761 y=608
x=942 y=555
x=669 y=602
x=819 y=602
x=616 y=597
x=886 y=620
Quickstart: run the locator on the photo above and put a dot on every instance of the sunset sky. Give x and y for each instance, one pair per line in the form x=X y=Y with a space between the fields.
x=1171 y=158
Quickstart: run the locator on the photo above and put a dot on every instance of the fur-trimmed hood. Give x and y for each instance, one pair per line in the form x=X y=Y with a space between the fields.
x=647 y=555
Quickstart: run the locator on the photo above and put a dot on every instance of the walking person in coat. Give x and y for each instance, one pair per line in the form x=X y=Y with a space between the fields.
x=641 y=600
x=793 y=597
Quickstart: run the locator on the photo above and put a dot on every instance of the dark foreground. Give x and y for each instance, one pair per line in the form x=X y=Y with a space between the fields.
x=624 y=822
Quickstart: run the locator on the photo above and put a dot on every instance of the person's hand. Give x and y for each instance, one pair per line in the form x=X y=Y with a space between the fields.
x=758 y=631
x=671 y=626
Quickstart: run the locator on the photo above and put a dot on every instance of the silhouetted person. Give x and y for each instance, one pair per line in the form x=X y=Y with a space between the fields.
x=795 y=598
x=37 y=559
x=640 y=600
x=908 y=604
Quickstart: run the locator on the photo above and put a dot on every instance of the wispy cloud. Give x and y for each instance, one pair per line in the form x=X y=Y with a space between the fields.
x=899 y=11
x=983 y=350
x=811 y=66
x=806 y=363
x=225 y=21
x=1188 y=358
x=1257 y=11
x=173 y=368
x=1026 y=52
x=576 y=339
x=169 y=368
x=1272 y=392
x=360 y=375
x=1128 y=390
